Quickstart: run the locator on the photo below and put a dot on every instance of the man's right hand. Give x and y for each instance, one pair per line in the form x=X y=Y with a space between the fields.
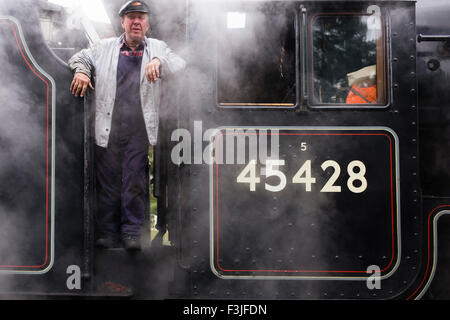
x=79 y=84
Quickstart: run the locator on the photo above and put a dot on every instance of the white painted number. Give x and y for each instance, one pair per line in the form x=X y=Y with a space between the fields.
x=329 y=186
x=305 y=170
x=356 y=176
x=355 y=169
x=271 y=171
x=249 y=170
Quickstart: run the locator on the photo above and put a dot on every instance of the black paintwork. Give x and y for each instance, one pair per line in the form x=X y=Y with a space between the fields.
x=341 y=235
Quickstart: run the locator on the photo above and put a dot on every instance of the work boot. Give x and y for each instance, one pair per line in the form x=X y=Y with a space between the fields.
x=131 y=242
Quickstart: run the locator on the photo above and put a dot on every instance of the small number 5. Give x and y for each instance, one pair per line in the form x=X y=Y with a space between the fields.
x=303 y=146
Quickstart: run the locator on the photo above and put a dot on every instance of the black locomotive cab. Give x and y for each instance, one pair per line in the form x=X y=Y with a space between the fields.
x=301 y=155
x=314 y=160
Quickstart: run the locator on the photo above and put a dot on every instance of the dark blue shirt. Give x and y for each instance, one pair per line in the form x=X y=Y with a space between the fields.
x=127 y=116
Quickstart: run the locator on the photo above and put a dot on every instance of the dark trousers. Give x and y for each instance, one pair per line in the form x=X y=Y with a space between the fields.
x=122 y=179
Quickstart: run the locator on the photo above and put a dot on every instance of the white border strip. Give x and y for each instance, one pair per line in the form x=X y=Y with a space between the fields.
x=52 y=180
x=435 y=253
x=272 y=277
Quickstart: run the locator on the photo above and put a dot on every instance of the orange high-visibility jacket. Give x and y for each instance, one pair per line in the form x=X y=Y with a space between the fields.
x=362 y=95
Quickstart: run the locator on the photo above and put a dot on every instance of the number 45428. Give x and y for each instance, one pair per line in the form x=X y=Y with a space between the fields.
x=356 y=170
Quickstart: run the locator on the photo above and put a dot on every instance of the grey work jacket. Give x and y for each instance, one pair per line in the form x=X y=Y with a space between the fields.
x=100 y=61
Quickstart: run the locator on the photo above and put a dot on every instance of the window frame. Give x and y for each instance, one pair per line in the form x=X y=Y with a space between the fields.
x=312 y=103
x=260 y=106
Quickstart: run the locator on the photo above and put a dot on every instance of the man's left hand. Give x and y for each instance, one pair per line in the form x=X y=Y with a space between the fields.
x=152 y=70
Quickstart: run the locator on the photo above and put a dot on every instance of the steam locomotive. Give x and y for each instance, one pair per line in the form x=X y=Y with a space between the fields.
x=271 y=182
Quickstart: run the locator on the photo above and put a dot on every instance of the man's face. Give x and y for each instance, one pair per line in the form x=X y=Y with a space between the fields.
x=135 y=25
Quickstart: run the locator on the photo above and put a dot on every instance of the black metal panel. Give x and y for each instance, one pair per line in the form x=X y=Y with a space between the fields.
x=433 y=273
x=52 y=125
x=431 y=284
x=433 y=70
x=249 y=212
x=27 y=148
x=231 y=241
x=296 y=232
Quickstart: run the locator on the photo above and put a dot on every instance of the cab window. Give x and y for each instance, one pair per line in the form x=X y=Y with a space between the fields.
x=348 y=66
x=256 y=59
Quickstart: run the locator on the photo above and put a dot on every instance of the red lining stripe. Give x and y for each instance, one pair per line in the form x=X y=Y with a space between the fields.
x=306 y=271
x=47 y=156
x=428 y=248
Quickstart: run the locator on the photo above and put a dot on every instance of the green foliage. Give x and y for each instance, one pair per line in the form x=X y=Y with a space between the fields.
x=341 y=46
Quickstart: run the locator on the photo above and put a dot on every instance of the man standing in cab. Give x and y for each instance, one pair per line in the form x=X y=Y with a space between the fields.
x=127 y=73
